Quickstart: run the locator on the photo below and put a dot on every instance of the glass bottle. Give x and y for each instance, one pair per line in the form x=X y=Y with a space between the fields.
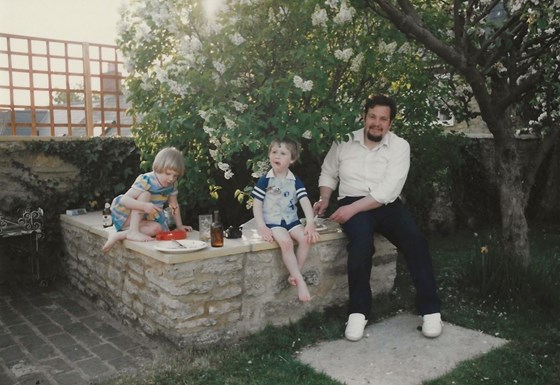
x=107 y=218
x=216 y=231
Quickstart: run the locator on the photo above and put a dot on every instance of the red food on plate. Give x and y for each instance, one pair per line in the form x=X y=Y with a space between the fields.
x=169 y=235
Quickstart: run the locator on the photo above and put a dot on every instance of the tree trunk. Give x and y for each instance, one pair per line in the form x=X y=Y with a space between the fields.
x=515 y=238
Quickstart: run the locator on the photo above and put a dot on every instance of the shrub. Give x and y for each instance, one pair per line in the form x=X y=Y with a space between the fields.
x=221 y=90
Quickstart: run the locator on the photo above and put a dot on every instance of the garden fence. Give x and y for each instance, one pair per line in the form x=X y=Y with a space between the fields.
x=55 y=88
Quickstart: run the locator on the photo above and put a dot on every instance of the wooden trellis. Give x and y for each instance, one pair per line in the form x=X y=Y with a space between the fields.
x=61 y=88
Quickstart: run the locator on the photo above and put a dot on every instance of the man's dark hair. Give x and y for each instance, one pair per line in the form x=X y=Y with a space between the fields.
x=381 y=100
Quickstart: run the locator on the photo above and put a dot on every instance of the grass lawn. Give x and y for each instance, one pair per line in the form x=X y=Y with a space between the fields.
x=524 y=313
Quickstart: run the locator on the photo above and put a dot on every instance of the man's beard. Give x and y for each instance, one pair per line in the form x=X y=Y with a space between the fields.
x=374 y=138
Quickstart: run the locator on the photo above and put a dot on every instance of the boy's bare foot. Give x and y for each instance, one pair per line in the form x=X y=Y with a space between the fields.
x=292 y=281
x=303 y=291
x=138 y=236
x=113 y=238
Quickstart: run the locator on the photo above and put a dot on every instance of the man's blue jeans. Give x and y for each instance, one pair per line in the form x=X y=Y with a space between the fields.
x=395 y=223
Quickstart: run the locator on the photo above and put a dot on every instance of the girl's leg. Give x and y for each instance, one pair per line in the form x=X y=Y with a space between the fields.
x=286 y=244
x=114 y=238
x=135 y=232
x=149 y=228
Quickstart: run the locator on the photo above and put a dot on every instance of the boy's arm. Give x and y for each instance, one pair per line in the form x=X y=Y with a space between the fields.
x=307 y=210
x=262 y=228
x=310 y=231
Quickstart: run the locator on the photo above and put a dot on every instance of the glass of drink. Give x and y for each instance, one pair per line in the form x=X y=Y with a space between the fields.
x=204 y=224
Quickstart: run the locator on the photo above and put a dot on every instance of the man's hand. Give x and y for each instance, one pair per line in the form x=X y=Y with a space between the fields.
x=320 y=207
x=343 y=214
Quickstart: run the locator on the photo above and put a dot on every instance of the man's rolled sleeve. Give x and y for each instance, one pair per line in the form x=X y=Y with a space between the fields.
x=395 y=175
x=329 y=169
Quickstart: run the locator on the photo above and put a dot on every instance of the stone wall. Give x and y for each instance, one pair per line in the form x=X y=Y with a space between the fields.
x=208 y=296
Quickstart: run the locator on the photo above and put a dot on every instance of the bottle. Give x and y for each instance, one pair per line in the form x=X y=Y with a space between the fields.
x=107 y=218
x=216 y=231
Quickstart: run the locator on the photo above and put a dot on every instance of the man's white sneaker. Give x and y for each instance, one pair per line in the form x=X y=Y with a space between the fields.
x=355 y=326
x=432 y=325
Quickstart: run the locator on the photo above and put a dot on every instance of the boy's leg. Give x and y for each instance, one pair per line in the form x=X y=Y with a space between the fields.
x=286 y=244
x=302 y=249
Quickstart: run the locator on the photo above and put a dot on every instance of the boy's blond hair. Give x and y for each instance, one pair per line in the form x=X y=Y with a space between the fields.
x=292 y=145
x=169 y=159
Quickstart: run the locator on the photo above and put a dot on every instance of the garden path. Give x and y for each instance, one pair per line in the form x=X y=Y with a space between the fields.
x=55 y=336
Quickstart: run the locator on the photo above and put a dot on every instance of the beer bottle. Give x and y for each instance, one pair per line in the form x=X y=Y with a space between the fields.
x=216 y=231
x=107 y=219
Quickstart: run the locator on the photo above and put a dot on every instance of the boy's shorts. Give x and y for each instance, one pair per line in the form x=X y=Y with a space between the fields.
x=283 y=224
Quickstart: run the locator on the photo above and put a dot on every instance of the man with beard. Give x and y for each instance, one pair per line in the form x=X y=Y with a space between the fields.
x=370 y=170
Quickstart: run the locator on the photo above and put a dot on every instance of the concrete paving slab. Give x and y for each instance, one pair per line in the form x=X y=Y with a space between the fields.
x=394 y=352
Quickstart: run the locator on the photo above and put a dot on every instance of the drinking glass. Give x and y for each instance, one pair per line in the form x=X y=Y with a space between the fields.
x=204 y=224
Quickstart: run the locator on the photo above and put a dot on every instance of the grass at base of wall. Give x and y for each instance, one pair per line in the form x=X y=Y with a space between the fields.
x=270 y=357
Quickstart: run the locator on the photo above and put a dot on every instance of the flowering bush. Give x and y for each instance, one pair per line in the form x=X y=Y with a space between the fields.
x=221 y=86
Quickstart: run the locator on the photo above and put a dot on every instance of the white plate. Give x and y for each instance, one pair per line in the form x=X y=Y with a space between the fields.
x=187 y=246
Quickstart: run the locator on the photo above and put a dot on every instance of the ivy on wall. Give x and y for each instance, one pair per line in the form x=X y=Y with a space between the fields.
x=107 y=167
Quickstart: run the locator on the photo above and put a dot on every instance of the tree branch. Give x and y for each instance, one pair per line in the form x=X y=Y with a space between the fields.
x=414 y=27
x=411 y=24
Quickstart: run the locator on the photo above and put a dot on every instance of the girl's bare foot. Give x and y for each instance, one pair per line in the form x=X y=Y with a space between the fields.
x=303 y=291
x=138 y=236
x=113 y=238
x=292 y=281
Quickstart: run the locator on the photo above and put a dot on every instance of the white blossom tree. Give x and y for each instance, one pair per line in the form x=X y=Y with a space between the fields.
x=221 y=89
x=507 y=53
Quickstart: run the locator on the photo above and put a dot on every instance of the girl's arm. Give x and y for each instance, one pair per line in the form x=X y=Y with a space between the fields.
x=262 y=228
x=176 y=213
x=130 y=201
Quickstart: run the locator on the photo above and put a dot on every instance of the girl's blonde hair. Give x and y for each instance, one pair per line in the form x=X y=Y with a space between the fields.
x=169 y=159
